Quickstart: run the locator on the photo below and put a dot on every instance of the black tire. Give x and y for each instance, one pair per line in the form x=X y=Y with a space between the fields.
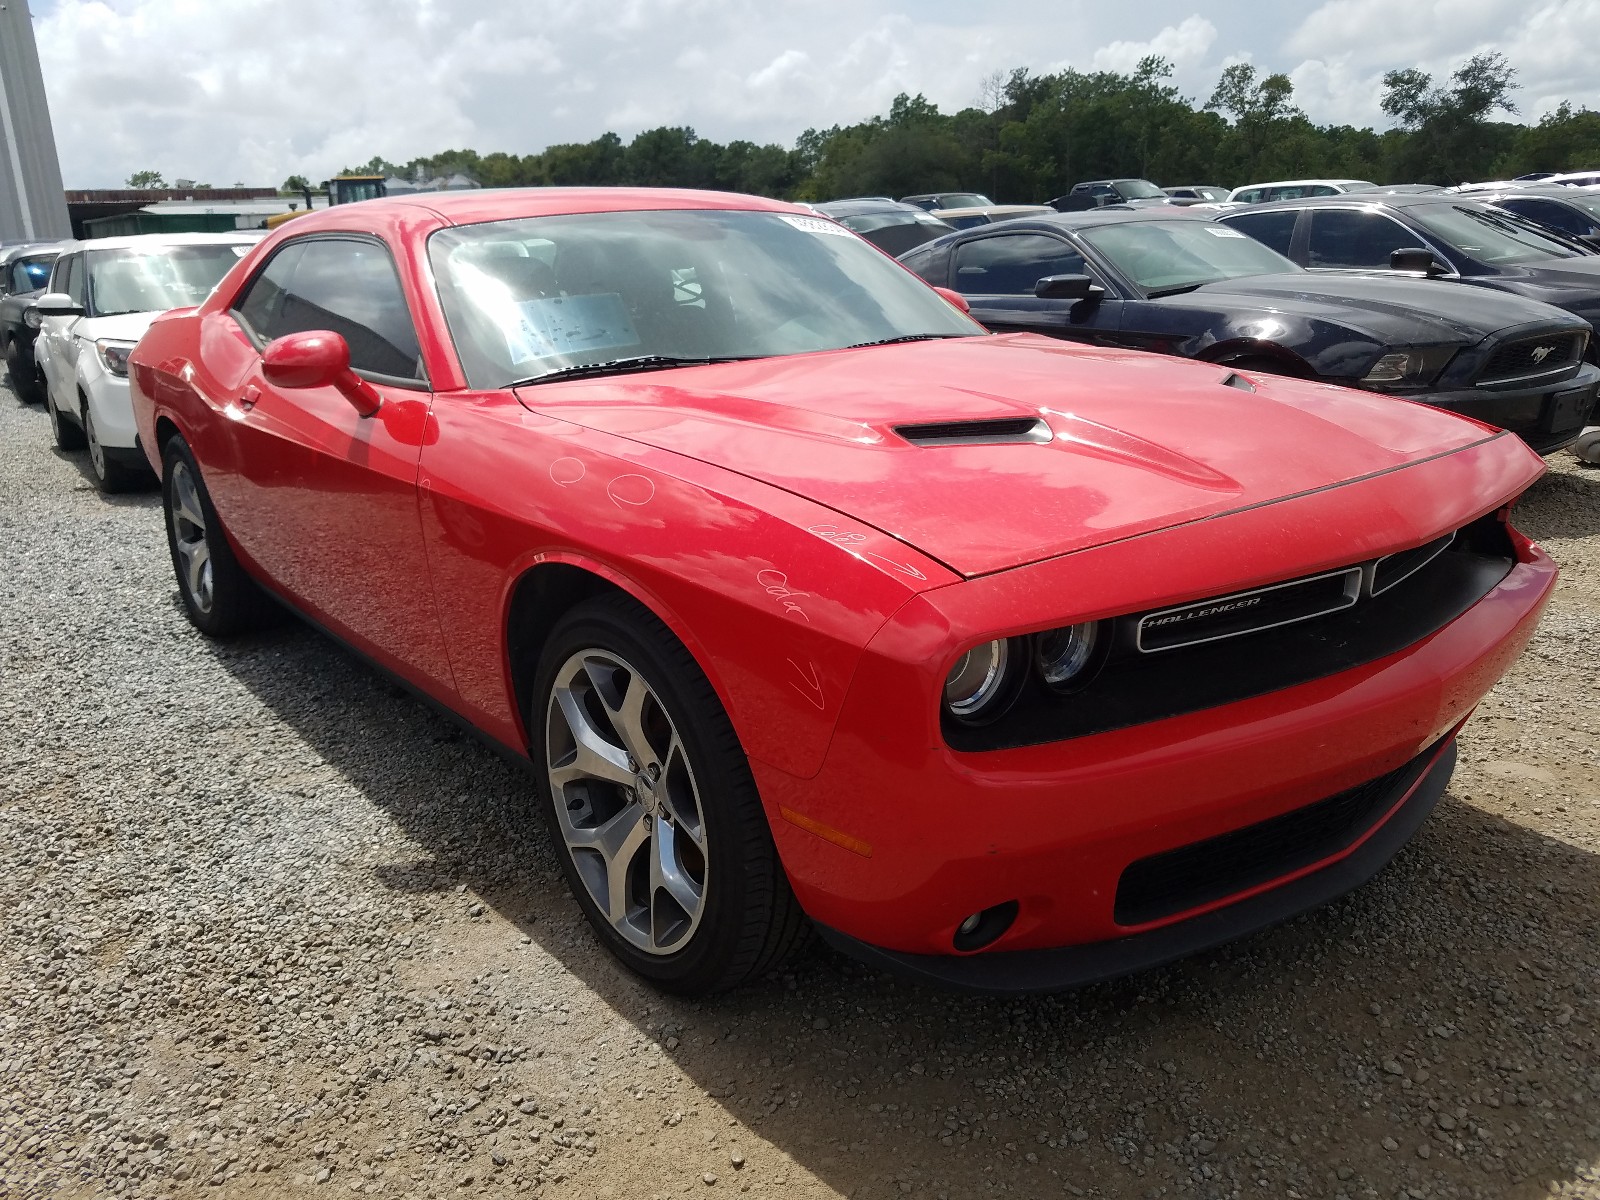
x=24 y=379
x=64 y=430
x=110 y=476
x=228 y=602
x=749 y=919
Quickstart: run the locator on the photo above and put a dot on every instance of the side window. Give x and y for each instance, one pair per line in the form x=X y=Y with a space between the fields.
x=1321 y=189
x=343 y=285
x=1275 y=229
x=73 y=282
x=1253 y=196
x=1010 y=264
x=1345 y=238
x=259 y=310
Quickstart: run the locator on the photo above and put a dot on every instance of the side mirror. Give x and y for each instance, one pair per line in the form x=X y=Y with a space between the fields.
x=955 y=298
x=1415 y=258
x=318 y=358
x=58 y=304
x=1068 y=287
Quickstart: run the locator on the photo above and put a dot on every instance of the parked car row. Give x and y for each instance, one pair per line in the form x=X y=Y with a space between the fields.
x=1165 y=280
x=1000 y=661
x=68 y=338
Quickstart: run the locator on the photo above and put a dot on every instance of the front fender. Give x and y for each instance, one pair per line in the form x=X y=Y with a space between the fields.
x=775 y=596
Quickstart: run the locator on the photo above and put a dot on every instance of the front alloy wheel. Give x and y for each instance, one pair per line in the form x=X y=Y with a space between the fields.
x=189 y=544
x=651 y=805
x=627 y=801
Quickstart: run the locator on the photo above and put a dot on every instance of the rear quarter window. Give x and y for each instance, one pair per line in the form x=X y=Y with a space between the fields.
x=1275 y=229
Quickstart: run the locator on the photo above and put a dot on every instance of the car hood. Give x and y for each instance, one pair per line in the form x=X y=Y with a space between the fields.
x=1571 y=283
x=124 y=327
x=1129 y=443
x=1397 y=312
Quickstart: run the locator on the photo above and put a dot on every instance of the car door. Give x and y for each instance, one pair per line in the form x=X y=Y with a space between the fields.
x=1355 y=239
x=997 y=274
x=56 y=332
x=322 y=499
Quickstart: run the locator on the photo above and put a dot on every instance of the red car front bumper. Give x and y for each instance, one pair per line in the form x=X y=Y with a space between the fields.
x=934 y=836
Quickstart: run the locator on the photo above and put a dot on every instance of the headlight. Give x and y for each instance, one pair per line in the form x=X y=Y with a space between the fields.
x=114 y=356
x=1063 y=655
x=982 y=683
x=1418 y=365
x=32 y=318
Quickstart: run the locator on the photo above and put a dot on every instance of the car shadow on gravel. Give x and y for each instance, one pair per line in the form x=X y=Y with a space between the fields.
x=1435 y=1031
x=146 y=496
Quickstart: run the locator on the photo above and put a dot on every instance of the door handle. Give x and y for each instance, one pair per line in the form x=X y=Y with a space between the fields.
x=248 y=397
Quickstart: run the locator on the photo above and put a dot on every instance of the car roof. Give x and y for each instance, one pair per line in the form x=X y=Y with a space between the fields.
x=1299 y=183
x=1386 y=199
x=992 y=209
x=477 y=205
x=135 y=241
x=855 y=208
x=29 y=249
x=1092 y=217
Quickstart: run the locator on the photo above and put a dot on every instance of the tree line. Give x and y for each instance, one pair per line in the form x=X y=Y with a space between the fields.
x=1031 y=137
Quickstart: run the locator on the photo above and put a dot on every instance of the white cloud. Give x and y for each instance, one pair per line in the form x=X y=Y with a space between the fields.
x=1184 y=43
x=1350 y=44
x=254 y=90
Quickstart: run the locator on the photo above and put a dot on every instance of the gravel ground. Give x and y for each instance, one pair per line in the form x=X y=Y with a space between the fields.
x=269 y=927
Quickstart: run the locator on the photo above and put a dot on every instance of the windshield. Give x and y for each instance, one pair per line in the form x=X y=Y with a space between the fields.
x=1489 y=235
x=157 y=278
x=1589 y=204
x=535 y=296
x=964 y=200
x=1138 y=189
x=29 y=274
x=1163 y=257
x=896 y=232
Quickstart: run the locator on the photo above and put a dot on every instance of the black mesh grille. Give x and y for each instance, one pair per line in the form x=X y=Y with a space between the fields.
x=1202 y=872
x=1532 y=356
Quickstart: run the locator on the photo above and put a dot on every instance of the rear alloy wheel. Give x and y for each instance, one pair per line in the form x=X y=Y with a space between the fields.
x=220 y=599
x=66 y=435
x=651 y=803
x=109 y=475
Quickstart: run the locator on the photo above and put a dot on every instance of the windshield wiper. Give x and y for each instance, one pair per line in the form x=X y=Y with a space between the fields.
x=624 y=366
x=1175 y=291
x=907 y=337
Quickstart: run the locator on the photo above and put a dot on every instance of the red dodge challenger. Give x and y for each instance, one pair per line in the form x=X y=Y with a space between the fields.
x=1003 y=662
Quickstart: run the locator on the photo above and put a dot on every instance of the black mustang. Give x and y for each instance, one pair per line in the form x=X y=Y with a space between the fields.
x=1177 y=283
x=1454 y=239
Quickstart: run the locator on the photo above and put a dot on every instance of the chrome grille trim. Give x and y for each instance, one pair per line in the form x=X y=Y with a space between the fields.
x=1353 y=577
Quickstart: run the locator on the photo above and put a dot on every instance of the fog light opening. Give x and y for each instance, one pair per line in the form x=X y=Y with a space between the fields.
x=982 y=928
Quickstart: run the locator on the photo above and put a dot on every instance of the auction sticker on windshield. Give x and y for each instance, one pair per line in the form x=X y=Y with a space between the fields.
x=570 y=325
x=818 y=225
x=1223 y=231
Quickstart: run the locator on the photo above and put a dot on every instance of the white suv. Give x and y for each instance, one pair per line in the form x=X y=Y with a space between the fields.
x=1296 y=189
x=103 y=295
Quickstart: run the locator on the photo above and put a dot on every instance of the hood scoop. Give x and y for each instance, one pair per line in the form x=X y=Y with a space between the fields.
x=998 y=431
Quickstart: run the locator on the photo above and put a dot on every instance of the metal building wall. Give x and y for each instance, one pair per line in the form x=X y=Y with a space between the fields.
x=33 y=206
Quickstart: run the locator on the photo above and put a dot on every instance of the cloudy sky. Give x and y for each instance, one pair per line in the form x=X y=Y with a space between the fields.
x=254 y=90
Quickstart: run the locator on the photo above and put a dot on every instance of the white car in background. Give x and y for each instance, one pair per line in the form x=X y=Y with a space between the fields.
x=1295 y=189
x=103 y=295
